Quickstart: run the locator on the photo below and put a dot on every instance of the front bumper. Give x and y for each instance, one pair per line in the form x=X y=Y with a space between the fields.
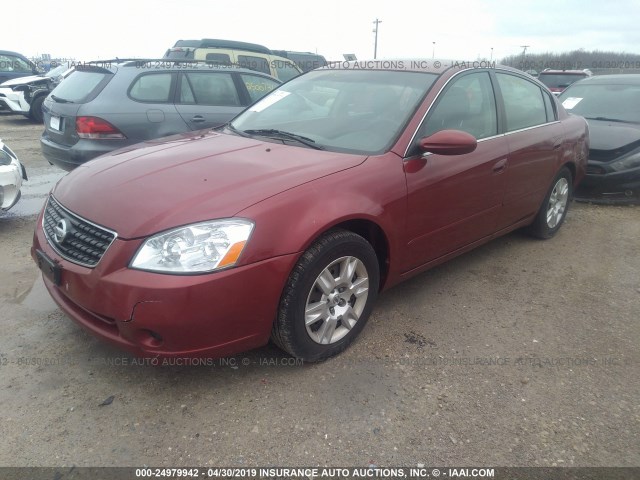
x=614 y=187
x=156 y=315
x=11 y=177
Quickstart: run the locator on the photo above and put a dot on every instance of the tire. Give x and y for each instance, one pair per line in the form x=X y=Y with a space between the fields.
x=340 y=302
x=554 y=208
x=36 y=109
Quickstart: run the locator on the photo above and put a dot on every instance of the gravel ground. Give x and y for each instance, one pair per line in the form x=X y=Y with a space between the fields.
x=520 y=353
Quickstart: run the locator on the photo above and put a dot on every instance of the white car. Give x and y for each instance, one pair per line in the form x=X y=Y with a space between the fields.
x=25 y=94
x=12 y=172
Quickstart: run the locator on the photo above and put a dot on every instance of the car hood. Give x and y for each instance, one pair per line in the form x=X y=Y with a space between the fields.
x=188 y=178
x=22 y=80
x=610 y=140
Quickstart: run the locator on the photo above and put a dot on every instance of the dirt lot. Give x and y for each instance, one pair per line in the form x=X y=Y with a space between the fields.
x=522 y=352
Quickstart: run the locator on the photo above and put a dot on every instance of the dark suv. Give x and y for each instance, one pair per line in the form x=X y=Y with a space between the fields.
x=14 y=65
x=103 y=106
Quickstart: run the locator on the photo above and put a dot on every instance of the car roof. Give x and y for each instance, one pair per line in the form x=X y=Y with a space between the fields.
x=9 y=52
x=166 y=64
x=426 y=65
x=619 y=79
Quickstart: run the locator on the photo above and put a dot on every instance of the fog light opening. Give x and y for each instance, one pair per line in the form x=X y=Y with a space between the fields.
x=628 y=193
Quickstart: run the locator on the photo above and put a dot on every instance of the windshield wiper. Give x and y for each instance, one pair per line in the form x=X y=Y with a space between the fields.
x=607 y=119
x=280 y=134
x=60 y=100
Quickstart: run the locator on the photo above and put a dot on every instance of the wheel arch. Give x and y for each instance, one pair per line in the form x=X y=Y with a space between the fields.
x=372 y=233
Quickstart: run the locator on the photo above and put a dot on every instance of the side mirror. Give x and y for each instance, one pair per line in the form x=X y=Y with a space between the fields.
x=449 y=142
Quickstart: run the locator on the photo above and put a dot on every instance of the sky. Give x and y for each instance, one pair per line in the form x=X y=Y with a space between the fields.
x=461 y=29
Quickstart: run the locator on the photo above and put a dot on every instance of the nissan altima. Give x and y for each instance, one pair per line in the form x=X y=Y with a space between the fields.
x=287 y=222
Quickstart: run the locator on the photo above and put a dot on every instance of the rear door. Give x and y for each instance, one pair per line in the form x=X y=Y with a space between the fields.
x=534 y=137
x=207 y=99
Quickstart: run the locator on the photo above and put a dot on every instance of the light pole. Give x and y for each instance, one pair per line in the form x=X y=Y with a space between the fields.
x=375 y=45
x=491 y=58
x=433 y=52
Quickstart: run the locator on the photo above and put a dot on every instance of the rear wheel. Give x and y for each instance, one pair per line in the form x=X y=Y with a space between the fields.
x=328 y=297
x=554 y=207
x=36 y=109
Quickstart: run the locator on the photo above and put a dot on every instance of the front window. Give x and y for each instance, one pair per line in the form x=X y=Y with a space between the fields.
x=607 y=102
x=359 y=111
x=9 y=63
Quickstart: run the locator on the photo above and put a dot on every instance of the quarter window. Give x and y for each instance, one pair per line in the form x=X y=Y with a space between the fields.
x=548 y=105
x=523 y=102
x=284 y=70
x=468 y=104
x=154 y=87
x=258 y=86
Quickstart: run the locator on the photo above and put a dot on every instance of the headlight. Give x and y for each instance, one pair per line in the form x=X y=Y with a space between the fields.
x=201 y=247
x=628 y=163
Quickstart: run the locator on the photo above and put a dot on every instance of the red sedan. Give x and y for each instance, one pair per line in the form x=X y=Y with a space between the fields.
x=287 y=222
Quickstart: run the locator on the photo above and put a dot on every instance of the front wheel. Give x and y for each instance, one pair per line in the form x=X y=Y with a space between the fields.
x=36 y=109
x=554 y=207
x=328 y=297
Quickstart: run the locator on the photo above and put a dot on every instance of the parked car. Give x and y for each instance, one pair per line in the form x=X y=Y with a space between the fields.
x=611 y=105
x=288 y=221
x=558 y=80
x=12 y=173
x=25 y=94
x=14 y=65
x=305 y=60
x=230 y=52
x=106 y=106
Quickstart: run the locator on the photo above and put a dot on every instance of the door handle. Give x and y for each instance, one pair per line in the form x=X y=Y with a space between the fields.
x=500 y=166
x=198 y=119
x=557 y=145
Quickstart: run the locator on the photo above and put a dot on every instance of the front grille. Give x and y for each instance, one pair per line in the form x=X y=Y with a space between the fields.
x=73 y=237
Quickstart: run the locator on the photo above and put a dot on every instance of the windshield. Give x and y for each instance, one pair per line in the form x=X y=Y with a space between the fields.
x=554 y=80
x=79 y=86
x=347 y=110
x=56 y=72
x=615 y=101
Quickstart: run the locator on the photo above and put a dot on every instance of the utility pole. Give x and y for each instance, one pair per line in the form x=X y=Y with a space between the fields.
x=375 y=45
x=491 y=58
x=433 y=51
x=524 y=51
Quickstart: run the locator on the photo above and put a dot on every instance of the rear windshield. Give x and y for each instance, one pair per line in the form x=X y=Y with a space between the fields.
x=554 y=80
x=80 y=86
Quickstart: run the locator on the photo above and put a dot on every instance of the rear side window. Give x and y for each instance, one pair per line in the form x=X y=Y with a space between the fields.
x=258 y=86
x=207 y=88
x=81 y=85
x=258 y=64
x=218 y=58
x=523 y=102
x=154 y=87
